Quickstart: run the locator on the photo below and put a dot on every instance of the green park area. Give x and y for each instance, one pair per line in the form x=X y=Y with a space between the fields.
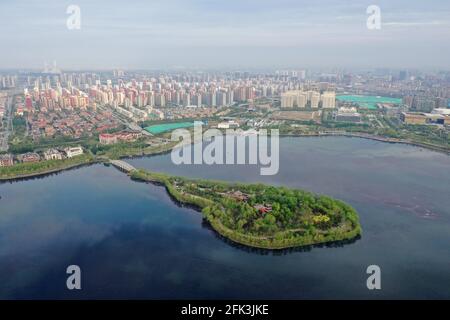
x=262 y=216
x=43 y=167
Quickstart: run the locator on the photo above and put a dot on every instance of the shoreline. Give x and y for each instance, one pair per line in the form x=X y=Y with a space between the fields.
x=143 y=154
x=369 y=136
x=48 y=172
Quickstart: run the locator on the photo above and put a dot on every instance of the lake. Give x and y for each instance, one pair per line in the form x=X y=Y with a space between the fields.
x=131 y=241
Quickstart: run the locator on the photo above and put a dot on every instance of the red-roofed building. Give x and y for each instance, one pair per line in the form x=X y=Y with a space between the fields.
x=106 y=138
x=6 y=160
x=263 y=208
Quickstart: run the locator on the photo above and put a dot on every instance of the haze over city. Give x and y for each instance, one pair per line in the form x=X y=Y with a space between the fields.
x=228 y=34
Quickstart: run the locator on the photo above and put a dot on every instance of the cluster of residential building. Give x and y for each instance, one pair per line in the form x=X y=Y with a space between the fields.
x=8 y=160
x=8 y=81
x=190 y=112
x=162 y=94
x=57 y=112
x=3 y=98
x=71 y=124
x=57 y=98
x=148 y=99
x=312 y=99
x=123 y=136
x=140 y=96
x=424 y=102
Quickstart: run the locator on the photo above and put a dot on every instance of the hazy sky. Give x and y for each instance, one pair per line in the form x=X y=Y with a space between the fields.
x=226 y=33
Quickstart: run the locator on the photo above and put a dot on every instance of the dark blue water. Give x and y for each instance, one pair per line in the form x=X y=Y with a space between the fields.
x=132 y=241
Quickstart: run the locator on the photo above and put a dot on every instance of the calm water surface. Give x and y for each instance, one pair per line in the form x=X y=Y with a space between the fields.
x=132 y=241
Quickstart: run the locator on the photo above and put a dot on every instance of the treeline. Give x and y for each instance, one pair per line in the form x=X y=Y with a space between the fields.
x=28 y=145
x=282 y=240
x=24 y=169
x=137 y=148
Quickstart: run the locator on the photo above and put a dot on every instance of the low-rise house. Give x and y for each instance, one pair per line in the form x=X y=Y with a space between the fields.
x=238 y=195
x=49 y=131
x=53 y=154
x=227 y=125
x=107 y=138
x=263 y=208
x=6 y=160
x=127 y=136
x=30 y=157
x=73 y=151
x=347 y=115
x=124 y=136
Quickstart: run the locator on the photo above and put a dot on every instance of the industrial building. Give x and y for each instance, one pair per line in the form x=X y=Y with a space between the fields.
x=421 y=118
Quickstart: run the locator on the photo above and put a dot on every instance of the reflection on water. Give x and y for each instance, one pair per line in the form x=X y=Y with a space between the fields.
x=132 y=241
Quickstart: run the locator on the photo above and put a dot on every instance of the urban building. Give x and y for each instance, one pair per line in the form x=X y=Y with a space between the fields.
x=423 y=103
x=314 y=98
x=53 y=154
x=6 y=160
x=228 y=125
x=300 y=99
x=422 y=118
x=443 y=111
x=73 y=151
x=328 y=100
x=347 y=115
x=30 y=157
x=124 y=136
x=107 y=138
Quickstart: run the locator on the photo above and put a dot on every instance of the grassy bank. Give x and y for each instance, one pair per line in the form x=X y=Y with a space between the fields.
x=137 y=149
x=22 y=170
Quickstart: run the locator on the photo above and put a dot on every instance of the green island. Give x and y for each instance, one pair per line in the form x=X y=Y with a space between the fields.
x=259 y=215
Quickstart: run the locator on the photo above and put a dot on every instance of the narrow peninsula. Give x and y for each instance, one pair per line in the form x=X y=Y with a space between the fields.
x=262 y=216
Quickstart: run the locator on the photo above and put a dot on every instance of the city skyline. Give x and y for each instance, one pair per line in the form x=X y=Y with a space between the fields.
x=235 y=34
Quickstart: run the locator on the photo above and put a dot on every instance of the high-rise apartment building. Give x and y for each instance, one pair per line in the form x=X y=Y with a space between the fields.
x=314 y=101
x=328 y=100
